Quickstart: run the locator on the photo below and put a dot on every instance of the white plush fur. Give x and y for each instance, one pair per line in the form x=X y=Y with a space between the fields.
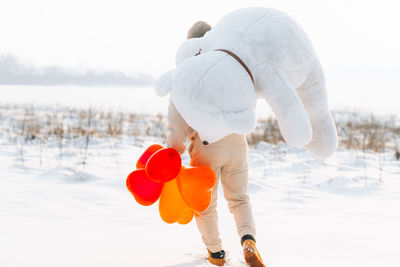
x=216 y=97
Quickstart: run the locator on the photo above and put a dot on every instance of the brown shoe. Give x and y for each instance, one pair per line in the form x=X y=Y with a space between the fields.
x=251 y=254
x=217 y=258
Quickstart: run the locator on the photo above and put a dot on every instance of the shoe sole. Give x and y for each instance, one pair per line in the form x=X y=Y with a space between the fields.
x=217 y=263
x=252 y=259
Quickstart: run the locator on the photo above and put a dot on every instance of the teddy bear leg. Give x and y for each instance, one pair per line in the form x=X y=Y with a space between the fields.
x=314 y=97
x=286 y=105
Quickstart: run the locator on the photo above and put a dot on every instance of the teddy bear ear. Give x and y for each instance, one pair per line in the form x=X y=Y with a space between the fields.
x=164 y=84
x=188 y=49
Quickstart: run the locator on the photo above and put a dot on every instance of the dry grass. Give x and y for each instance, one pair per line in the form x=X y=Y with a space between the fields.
x=267 y=130
x=24 y=124
x=356 y=131
x=368 y=132
x=63 y=124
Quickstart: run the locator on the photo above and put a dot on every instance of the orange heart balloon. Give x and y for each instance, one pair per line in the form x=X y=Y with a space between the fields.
x=144 y=190
x=172 y=208
x=195 y=185
x=141 y=163
x=164 y=165
x=186 y=217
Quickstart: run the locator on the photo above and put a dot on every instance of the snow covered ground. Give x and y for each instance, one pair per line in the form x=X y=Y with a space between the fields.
x=343 y=211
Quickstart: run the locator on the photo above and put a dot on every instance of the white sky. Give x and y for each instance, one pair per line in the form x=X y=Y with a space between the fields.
x=143 y=36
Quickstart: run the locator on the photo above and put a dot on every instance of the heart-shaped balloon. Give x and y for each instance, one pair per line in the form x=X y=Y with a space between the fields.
x=164 y=165
x=195 y=185
x=141 y=163
x=186 y=216
x=179 y=198
x=144 y=190
x=172 y=207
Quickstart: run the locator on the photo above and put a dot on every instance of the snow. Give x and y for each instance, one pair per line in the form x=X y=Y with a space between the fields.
x=342 y=211
x=132 y=99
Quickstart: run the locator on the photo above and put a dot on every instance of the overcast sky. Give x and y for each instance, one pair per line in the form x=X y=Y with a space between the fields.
x=143 y=36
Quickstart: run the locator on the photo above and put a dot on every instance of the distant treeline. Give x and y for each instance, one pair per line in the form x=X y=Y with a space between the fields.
x=12 y=71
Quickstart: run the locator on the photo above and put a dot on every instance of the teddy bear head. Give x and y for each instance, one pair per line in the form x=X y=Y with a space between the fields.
x=212 y=92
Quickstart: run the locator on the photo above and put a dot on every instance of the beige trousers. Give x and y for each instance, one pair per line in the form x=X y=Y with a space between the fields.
x=228 y=158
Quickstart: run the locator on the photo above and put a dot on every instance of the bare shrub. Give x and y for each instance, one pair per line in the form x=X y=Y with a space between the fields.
x=397 y=155
x=267 y=130
x=58 y=132
x=114 y=125
x=89 y=132
x=368 y=133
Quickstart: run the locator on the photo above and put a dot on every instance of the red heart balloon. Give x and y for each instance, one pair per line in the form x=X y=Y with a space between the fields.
x=144 y=190
x=164 y=165
x=141 y=163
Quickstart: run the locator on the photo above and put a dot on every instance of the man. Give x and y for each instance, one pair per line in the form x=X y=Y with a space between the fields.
x=228 y=158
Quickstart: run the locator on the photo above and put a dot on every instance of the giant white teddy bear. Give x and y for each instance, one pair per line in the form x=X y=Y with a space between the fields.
x=250 y=53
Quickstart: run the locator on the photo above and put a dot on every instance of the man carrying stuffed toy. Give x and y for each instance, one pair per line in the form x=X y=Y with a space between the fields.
x=250 y=53
x=228 y=158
